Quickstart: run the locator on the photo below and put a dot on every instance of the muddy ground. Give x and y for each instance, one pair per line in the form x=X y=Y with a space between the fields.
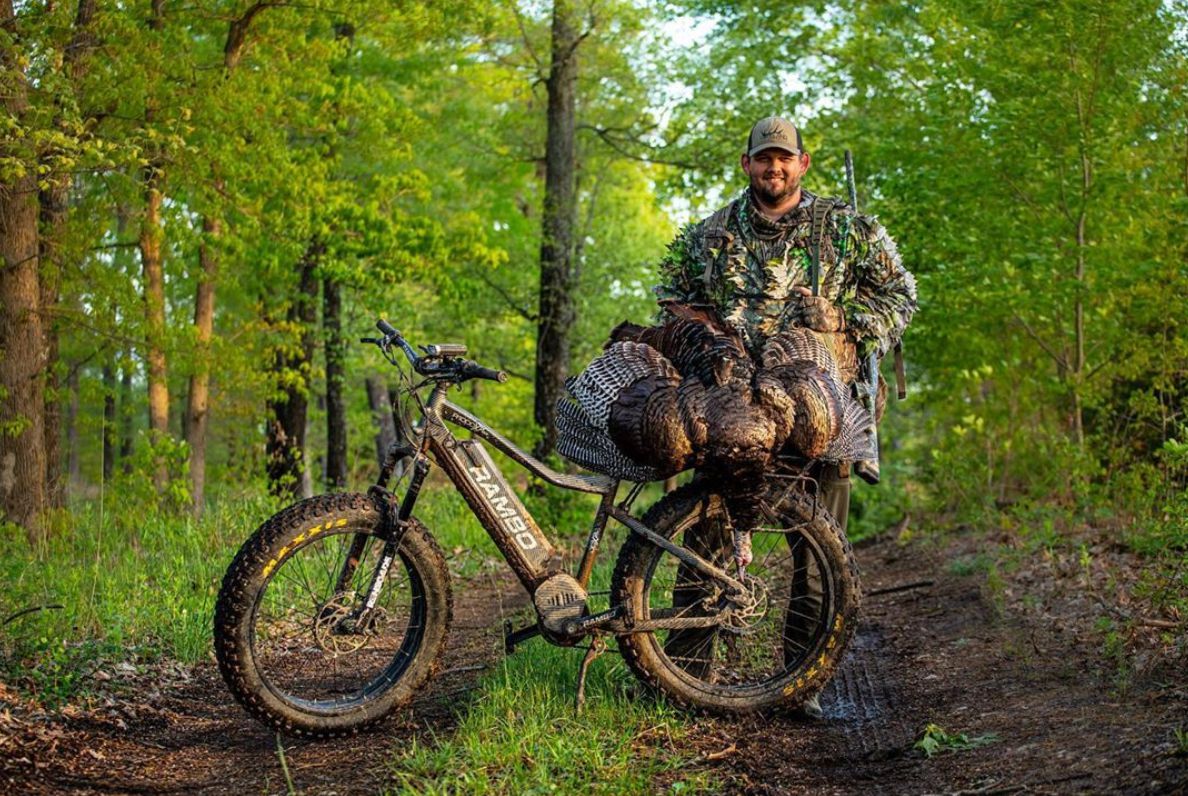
x=1017 y=666
x=178 y=730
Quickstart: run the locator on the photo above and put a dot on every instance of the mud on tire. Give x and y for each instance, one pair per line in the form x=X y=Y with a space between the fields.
x=807 y=582
x=283 y=631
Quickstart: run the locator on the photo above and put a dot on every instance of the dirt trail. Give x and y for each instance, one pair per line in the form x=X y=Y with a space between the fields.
x=194 y=739
x=937 y=653
x=932 y=652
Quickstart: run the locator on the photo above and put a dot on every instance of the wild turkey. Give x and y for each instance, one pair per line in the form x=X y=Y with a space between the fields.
x=684 y=394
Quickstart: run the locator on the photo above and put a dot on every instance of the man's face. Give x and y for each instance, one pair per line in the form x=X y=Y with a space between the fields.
x=775 y=173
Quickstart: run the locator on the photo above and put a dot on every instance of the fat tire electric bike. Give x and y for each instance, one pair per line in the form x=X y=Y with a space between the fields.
x=336 y=610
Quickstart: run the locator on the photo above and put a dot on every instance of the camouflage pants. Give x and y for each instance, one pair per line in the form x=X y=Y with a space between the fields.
x=693 y=650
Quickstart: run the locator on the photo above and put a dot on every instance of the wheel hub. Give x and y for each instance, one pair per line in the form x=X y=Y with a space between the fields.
x=748 y=608
x=339 y=629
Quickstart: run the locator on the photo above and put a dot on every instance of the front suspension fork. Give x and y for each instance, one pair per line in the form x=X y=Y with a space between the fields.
x=394 y=526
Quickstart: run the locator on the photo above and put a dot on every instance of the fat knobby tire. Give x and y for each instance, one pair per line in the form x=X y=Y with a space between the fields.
x=248 y=576
x=643 y=651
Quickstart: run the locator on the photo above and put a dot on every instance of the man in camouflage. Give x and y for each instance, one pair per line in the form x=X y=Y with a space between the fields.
x=751 y=260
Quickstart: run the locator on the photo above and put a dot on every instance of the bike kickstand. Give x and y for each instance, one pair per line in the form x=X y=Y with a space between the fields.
x=596 y=648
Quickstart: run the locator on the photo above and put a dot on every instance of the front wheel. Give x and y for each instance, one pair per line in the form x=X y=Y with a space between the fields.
x=295 y=638
x=780 y=650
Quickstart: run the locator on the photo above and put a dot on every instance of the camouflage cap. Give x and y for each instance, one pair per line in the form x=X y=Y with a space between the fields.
x=771 y=133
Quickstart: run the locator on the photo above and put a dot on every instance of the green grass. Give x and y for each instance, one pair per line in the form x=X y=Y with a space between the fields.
x=519 y=733
x=115 y=583
x=132 y=586
x=120 y=582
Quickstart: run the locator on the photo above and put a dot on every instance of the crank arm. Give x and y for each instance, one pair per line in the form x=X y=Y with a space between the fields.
x=514 y=638
x=684 y=554
x=590 y=624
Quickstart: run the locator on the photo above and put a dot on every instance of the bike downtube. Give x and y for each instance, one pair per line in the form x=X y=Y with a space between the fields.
x=525 y=547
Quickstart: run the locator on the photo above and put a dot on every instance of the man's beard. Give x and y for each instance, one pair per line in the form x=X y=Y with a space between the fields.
x=769 y=197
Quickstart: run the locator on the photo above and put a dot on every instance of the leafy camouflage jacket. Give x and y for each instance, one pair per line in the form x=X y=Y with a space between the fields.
x=755 y=267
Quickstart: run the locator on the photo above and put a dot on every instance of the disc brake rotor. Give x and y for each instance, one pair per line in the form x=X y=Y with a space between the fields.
x=746 y=615
x=337 y=629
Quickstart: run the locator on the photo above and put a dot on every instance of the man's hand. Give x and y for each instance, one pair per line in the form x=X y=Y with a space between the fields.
x=817 y=313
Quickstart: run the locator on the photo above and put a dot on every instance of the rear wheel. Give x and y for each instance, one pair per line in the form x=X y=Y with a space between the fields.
x=804 y=600
x=295 y=640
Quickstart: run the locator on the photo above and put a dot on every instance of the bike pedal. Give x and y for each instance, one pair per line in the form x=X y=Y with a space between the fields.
x=559 y=600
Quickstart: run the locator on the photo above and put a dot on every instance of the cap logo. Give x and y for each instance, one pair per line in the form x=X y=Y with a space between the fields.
x=772 y=132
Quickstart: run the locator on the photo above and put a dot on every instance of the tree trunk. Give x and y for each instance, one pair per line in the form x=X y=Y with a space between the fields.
x=390 y=430
x=126 y=416
x=287 y=412
x=198 y=396
x=72 y=443
x=54 y=210
x=381 y=413
x=335 y=350
x=54 y=486
x=557 y=280
x=23 y=491
x=154 y=307
x=109 y=421
x=198 y=400
x=1079 y=363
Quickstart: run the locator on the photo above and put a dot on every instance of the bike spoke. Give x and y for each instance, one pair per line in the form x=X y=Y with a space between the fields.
x=307 y=645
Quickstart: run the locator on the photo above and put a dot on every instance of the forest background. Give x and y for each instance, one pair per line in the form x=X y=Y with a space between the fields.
x=205 y=205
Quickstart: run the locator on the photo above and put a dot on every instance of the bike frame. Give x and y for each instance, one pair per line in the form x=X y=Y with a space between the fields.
x=510 y=525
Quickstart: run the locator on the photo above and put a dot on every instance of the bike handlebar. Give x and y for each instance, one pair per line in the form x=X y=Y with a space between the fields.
x=473 y=370
x=435 y=364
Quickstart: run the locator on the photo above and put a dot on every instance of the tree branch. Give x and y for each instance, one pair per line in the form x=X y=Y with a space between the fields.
x=237 y=34
x=607 y=136
x=1060 y=359
x=527 y=42
x=1024 y=197
x=531 y=317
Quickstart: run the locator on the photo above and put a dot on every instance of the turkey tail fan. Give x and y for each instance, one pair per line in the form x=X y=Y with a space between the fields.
x=771 y=393
x=590 y=447
x=701 y=314
x=625 y=331
x=618 y=367
x=646 y=424
x=819 y=402
x=855 y=440
x=793 y=344
x=699 y=351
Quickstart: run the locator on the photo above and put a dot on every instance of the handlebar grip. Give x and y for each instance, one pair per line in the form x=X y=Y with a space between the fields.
x=386 y=327
x=474 y=370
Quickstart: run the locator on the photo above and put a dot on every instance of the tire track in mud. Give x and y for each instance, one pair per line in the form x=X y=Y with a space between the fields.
x=931 y=648
x=862 y=700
